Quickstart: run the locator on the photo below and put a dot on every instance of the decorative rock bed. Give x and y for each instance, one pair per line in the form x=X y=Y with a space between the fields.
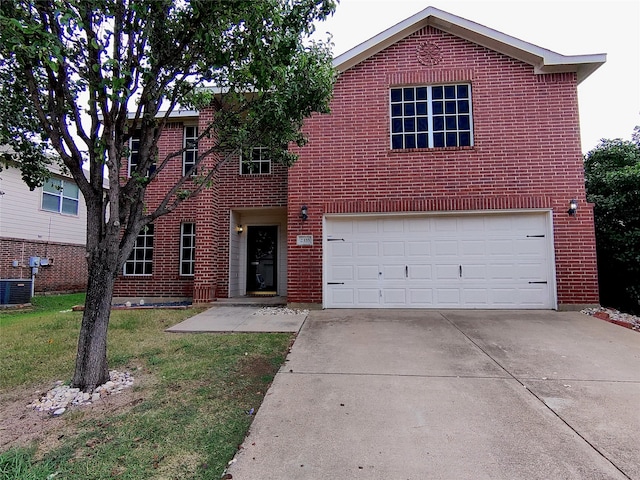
x=614 y=316
x=58 y=399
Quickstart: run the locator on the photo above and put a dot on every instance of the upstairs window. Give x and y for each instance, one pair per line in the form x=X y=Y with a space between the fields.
x=134 y=151
x=431 y=116
x=134 y=154
x=140 y=261
x=190 y=155
x=255 y=162
x=60 y=196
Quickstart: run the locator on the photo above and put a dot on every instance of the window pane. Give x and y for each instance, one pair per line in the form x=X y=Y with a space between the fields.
x=396 y=141
x=438 y=108
x=423 y=125
x=463 y=122
x=50 y=202
x=450 y=108
x=463 y=91
x=421 y=108
x=465 y=139
x=396 y=125
x=437 y=93
x=451 y=123
x=438 y=139
x=70 y=190
x=422 y=140
x=450 y=91
x=396 y=110
x=452 y=139
x=409 y=125
x=69 y=206
x=53 y=185
x=463 y=106
x=408 y=94
x=409 y=109
x=396 y=95
x=438 y=124
x=409 y=141
x=421 y=93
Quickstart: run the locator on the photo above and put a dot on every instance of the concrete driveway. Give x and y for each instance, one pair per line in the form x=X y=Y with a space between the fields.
x=418 y=394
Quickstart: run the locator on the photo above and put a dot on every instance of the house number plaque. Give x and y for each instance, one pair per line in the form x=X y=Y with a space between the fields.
x=304 y=240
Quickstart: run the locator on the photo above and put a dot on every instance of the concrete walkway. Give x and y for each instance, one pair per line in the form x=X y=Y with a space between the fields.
x=241 y=318
x=415 y=394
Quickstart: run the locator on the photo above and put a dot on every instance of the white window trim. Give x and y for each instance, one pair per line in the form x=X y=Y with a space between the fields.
x=430 y=115
x=143 y=234
x=259 y=162
x=192 y=148
x=183 y=261
x=60 y=194
x=131 y=150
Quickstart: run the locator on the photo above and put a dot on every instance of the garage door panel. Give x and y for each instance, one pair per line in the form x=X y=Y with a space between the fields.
x=367 y=272
x=500 y=247
x=463 y=261
x=447 y=297
x=445 y=248
x=394 y=296
x=394 y=272
x=340 y=249
x=420 y=272
x=341 y=273
x=418 y=249
x=421 y=296
x=474 y=272
x=368 y=296
x=447 y=272
x=475 y=297
x=471 y=248
x=393 y=249
x=502 y=271
x=367 y=249
x=529 y=246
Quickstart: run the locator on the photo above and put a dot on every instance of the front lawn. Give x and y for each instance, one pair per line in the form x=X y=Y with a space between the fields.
x=189 y=409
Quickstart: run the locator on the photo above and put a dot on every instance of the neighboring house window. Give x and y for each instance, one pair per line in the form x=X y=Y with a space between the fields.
x=256 y=161
x=60 y=196
x=187 y=249
x=431 y=116
x=140 y=261
x=190 y=155
x=134 y=151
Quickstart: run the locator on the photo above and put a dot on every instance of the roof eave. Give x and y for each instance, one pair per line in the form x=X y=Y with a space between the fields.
x=543 y=60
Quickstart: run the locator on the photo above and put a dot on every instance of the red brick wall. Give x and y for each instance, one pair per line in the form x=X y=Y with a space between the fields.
x=210 y=211
x=67 y=273
x=526 y=154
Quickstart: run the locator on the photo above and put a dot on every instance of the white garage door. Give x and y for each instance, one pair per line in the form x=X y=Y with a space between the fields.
x=464 y=261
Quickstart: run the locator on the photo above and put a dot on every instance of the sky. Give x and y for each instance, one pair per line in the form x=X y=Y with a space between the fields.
x=609 y=99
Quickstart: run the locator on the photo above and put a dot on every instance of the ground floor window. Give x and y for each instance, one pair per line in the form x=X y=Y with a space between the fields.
x=140 y=261
x=187 y=249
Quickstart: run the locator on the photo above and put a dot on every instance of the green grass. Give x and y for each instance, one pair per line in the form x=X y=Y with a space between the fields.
x=187 y=420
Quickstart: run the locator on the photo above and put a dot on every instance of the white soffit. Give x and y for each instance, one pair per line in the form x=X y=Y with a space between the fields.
x=543 y=60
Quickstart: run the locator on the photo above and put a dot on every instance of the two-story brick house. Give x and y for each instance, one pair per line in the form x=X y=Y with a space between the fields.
x=442 y=178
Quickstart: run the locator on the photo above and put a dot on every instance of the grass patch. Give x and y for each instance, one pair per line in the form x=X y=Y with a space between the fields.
x=187 y=418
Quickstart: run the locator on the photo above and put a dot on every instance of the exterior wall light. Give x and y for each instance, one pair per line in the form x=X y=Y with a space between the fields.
x=303 y=212
x=573 y=207
x=239 y=229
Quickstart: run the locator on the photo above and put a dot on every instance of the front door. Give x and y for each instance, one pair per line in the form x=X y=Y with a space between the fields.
x=262 y=249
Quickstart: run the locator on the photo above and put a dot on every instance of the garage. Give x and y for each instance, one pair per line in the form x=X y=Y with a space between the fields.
x=476 y=260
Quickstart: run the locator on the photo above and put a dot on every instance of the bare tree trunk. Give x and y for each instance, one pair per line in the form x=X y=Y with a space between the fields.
x=91 y=362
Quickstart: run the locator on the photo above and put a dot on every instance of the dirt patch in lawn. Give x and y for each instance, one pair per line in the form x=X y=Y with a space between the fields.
x=22 y=425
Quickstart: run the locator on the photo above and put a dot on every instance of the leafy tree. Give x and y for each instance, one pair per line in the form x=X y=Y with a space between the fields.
x=612 y=171
x=79 y=77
